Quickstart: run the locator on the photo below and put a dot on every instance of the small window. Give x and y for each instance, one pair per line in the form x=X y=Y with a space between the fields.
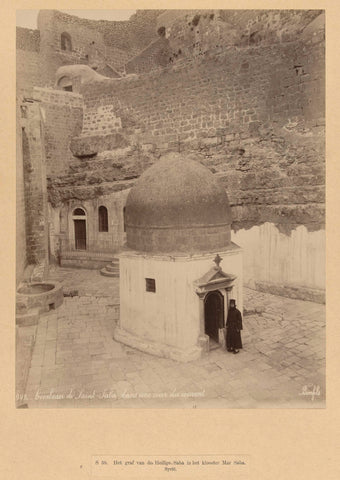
x=68 y=88
x=103 y=219
x=150 y=285
x=66 y=42
x=78 y=211
x=161 y=31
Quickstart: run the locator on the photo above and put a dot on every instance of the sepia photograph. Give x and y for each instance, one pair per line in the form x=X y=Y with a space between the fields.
x=170 y=209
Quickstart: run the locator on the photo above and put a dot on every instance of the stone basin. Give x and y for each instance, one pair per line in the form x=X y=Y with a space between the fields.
x=36 y=288
x=44 y=296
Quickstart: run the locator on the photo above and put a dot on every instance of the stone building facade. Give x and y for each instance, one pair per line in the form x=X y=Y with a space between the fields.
x=242 y=92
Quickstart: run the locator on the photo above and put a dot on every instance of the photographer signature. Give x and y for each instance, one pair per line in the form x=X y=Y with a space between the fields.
x=311 y=390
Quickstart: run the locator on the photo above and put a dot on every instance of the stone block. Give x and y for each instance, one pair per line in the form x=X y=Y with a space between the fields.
x=86 y=146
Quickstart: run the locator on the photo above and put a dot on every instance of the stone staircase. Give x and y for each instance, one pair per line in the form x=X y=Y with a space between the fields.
x=111 y=269
x=85 y=259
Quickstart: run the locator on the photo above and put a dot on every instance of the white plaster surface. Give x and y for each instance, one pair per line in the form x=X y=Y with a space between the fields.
x=272 y=256
x=170 y=316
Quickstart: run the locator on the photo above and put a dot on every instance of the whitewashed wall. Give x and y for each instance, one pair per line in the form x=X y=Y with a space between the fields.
x=272 y=256
x=171 y=315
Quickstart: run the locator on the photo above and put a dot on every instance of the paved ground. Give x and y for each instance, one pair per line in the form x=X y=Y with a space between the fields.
x=76 y=363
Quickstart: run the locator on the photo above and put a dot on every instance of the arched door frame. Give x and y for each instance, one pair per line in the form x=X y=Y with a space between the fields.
x=214 y=279
x=223 y=300
x=74 y=217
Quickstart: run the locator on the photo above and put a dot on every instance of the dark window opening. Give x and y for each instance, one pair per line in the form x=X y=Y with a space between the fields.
x=150 y=285
x=51 y=306
x=103 y=219
x=161 y=31
x=78 y=211
x=68 y=88
x=66 y=42
x=298 y=69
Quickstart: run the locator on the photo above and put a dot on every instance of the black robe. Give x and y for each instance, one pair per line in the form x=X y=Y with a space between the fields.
x=234 y=325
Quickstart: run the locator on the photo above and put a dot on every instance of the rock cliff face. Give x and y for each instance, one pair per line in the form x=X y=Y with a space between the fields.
x=267 y=180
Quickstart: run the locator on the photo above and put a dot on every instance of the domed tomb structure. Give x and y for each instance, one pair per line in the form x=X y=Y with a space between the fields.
x=177 y=206
x=180 y=268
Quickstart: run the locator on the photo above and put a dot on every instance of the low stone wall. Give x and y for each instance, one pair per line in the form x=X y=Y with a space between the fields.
x=292 y=291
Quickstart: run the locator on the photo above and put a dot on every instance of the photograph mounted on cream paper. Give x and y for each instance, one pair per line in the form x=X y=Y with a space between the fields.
x=171 y=209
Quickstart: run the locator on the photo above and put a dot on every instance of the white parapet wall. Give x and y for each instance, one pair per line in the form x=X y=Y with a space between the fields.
x=296 y=259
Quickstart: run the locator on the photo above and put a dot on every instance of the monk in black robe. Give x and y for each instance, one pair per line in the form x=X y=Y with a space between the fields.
x=234 y=327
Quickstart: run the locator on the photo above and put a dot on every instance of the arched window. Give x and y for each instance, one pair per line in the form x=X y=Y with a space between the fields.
x=79 y=211
x=66 y=42
x=103 y=219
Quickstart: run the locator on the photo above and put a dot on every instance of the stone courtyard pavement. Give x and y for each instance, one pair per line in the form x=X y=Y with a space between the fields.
x=76 y=363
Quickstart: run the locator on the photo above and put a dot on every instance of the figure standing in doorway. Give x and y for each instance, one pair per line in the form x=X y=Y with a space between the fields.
x=234 y=327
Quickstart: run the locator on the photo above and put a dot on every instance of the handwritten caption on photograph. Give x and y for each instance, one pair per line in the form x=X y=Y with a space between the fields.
x=83 y=394
x=208 y=466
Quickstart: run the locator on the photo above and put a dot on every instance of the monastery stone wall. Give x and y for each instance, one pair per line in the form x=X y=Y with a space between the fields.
x=253 y=115
x=155 y=56
x=113 y=43
x=232 y=92
x=27 y=39
x=34 y=176
x=63 y=116
x=27 y=70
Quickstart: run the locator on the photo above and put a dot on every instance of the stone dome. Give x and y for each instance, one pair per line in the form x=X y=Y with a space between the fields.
x=177 y=205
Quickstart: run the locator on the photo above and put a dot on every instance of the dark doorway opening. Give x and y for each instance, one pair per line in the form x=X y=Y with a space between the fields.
x=213 y=314
x=80 y=234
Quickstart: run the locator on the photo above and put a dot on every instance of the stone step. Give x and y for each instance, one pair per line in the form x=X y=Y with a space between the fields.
x=86 y=259
x=112 y=267
x=88 y=254
x=108 y=273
